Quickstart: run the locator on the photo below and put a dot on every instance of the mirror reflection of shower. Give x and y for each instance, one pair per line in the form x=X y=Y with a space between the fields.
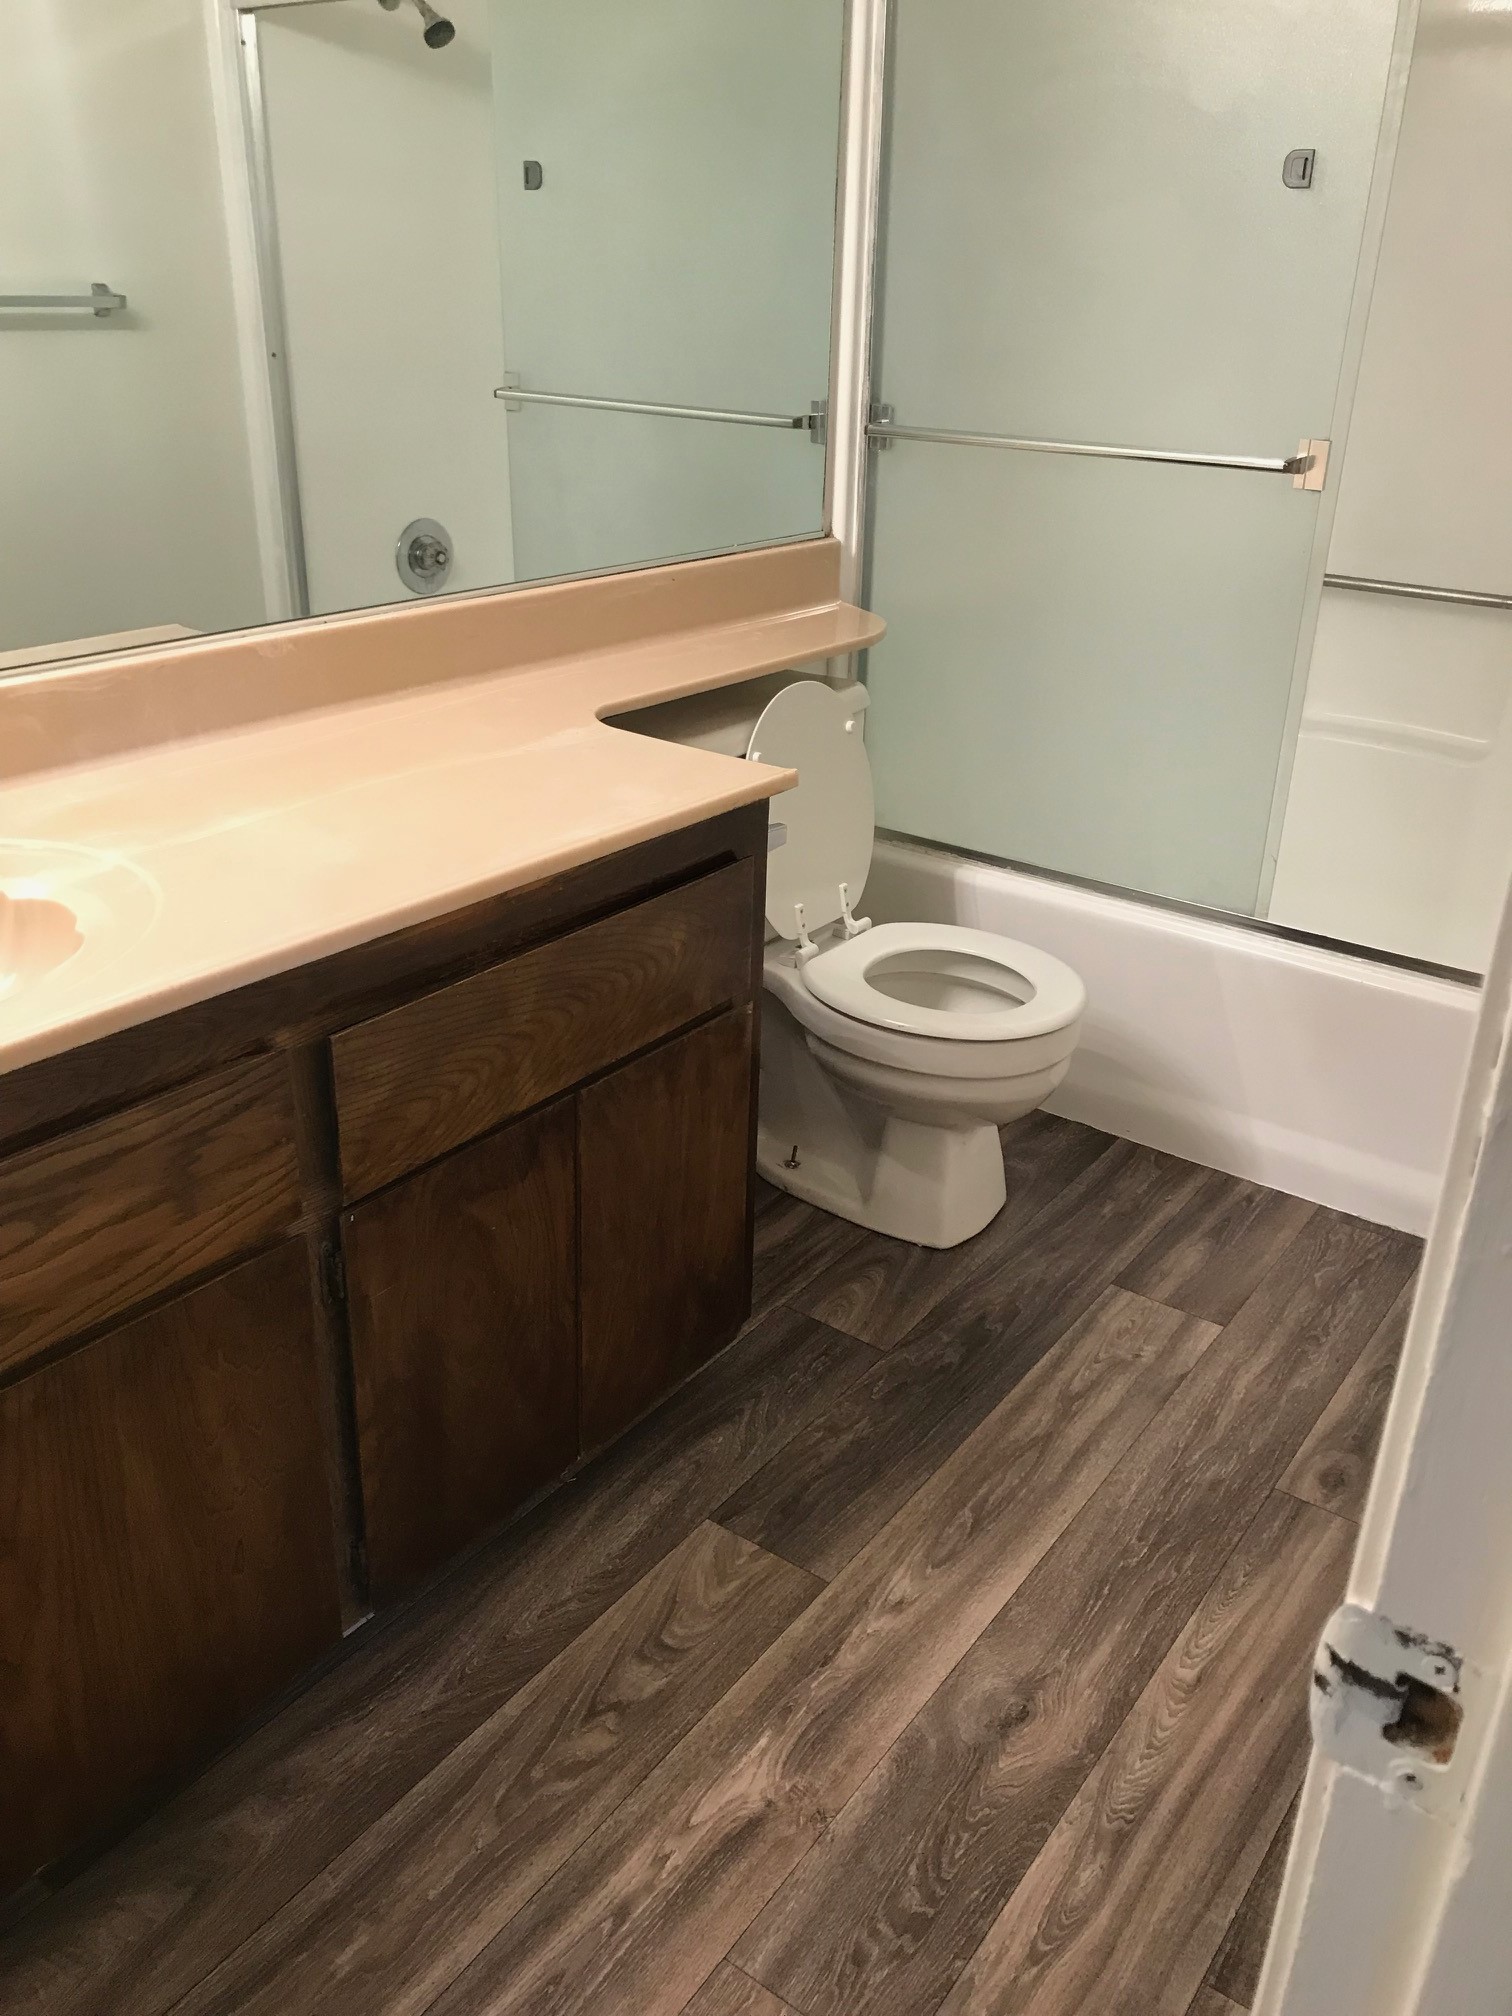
x=438 y=30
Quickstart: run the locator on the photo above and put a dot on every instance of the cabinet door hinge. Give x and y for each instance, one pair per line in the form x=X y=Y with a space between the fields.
x=1387 y=1704
x=333 y=1284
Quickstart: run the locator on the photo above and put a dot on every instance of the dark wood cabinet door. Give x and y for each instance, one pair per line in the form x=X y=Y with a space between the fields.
x=166 y=1558
x=461 y=1290
x=664 y=1153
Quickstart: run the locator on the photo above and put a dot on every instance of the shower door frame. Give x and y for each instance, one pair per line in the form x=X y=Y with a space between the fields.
x=858 y=218
x=868 y=97
x=257 y=282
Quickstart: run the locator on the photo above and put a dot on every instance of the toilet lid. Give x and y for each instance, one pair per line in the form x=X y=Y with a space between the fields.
x=830 y=814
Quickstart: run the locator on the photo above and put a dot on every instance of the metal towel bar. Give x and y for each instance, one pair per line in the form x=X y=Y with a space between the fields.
x=791 y=422
x=100 y=300
x=1417 y=591
x=1307 y=468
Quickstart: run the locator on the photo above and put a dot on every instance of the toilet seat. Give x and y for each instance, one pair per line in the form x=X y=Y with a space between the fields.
x=845 y=977
x=904 y=1050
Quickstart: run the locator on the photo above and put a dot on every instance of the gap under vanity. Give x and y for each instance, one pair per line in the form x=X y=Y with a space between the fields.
x=755 y=1071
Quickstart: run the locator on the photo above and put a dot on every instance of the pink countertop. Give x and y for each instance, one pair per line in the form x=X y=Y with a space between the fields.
x=202 y=862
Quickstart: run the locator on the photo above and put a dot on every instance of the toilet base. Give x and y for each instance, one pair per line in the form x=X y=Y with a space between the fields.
x=905 y=1144
x=834 y=1143
x=934 y=1186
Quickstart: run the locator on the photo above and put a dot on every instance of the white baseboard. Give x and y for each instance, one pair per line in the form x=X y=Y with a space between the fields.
x=1329 y=1076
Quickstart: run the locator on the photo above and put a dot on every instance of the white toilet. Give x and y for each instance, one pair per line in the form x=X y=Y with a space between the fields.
x=890 y=1054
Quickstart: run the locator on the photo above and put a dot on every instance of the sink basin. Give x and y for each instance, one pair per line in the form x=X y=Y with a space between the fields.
x=62 y=903
x=36 y=934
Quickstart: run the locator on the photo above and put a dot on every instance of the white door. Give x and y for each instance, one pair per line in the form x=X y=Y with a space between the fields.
x=1396 y=1895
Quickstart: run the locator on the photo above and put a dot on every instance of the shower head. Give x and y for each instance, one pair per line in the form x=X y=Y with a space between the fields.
x=438 y=30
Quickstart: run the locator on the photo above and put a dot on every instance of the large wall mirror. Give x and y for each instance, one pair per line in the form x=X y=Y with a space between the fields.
x=323 y=304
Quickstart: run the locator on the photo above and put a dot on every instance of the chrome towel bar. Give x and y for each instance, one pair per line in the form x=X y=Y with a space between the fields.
x=795 y=423
x=1307 y=468
x=1416 y=591
x=100 y=300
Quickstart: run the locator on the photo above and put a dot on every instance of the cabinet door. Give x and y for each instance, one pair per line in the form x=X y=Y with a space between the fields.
x=664 y=1151
x=464 y=1342
x=166 y=1559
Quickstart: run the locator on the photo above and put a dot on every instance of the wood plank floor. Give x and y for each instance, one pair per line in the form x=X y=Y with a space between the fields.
x=943 y=1646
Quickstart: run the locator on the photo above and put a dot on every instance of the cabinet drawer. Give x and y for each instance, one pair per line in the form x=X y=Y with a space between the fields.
x=423 y=1079
x=112 y=1214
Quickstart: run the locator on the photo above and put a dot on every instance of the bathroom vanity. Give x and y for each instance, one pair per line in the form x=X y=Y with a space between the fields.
x=379 y=1141
x=313 y=1283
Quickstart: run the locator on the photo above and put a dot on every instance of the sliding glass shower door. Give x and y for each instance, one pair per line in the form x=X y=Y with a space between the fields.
x=667 y=204
x=1122 y=224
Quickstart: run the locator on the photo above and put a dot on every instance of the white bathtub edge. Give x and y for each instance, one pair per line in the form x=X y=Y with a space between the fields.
x=1326 y=1075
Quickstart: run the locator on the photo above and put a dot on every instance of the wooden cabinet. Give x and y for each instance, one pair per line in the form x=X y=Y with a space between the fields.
x=664 y=1147
x=165 y=1557
x=522 y=1298
x=526 y=1297
x=463 y=1299
x=527 y=1133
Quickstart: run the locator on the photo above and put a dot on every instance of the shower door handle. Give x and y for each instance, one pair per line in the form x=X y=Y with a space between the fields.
x=1308 y=468
x=811 y=423
x=100 y=300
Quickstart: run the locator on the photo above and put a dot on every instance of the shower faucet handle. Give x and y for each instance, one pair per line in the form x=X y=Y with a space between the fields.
x=424 y=555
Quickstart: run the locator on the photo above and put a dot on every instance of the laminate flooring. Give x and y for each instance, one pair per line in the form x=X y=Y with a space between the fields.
x=942 y=1646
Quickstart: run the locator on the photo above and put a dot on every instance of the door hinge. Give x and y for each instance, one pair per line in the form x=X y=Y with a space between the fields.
x=333 y=1284
x=1386 y=1703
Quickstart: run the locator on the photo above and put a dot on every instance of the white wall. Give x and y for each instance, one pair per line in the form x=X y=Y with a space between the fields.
x=383 y=167
x=125 y=492
x=1398 y=829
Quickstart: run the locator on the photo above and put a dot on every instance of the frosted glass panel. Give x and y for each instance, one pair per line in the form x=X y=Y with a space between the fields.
x=599 y=490
x=1087 y=663
x=1087 y=238
x=679 y=249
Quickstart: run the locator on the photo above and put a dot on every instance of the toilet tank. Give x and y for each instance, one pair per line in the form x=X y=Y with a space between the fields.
x=721 y=720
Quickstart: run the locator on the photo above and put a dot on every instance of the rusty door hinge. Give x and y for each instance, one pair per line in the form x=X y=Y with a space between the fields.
x=332 y=1274
x=1386 y=1703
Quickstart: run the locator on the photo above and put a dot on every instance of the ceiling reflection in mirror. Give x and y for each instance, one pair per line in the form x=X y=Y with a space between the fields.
x=327 y=304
